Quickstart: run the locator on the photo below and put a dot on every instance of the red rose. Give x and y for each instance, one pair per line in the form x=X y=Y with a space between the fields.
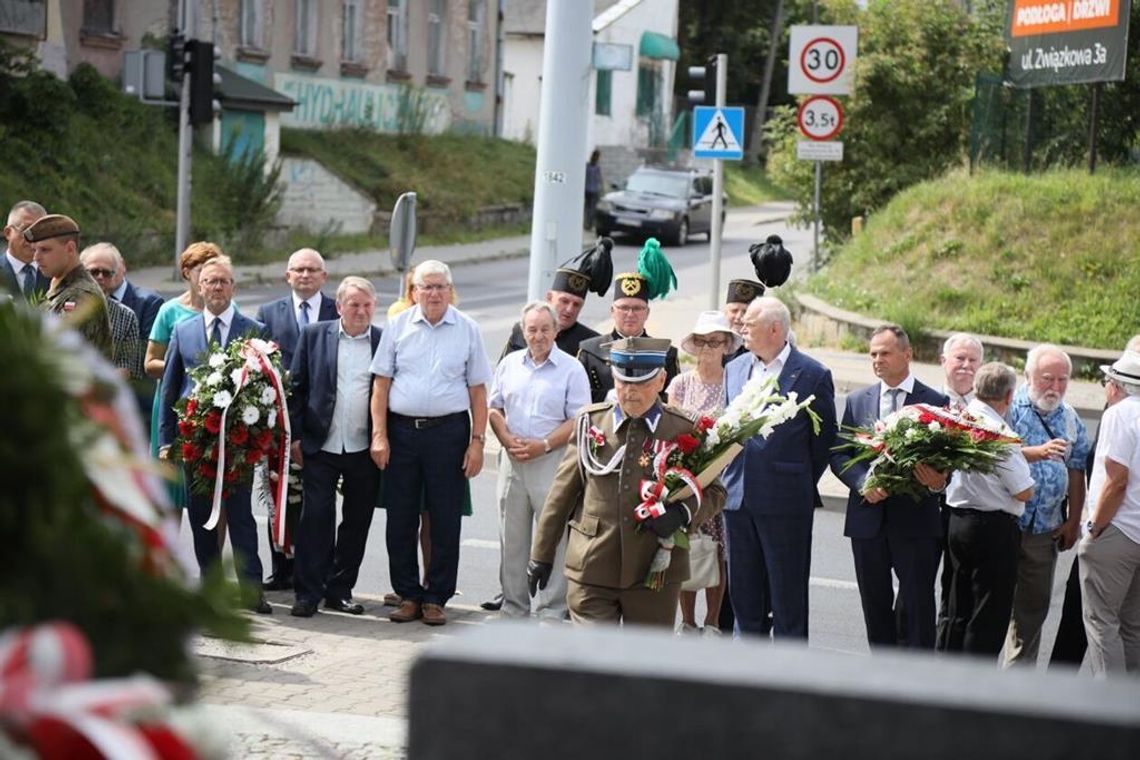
x=207 y=470
x=705 y=423
x=253 y=456
x=191 y=407
x=265 y=440
x=213 y=422
x=185 y=429
x=231 y=476
x=926 y=417
x=239 y=435
x=687 y=443
x=190 y=452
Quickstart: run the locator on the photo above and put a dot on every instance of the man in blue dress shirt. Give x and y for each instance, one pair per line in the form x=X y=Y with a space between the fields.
x=429 y=421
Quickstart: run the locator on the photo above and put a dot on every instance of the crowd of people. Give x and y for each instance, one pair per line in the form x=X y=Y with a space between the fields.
x=399 y=417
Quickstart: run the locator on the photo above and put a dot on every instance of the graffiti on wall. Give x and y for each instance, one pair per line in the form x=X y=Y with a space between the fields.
x=328 y=103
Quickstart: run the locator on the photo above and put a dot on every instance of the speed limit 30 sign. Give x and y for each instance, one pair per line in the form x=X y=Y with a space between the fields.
x=821 y=59
x=820 y=118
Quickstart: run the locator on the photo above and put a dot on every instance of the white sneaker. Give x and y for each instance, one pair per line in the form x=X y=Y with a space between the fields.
x=688 y=630
x=711 y=630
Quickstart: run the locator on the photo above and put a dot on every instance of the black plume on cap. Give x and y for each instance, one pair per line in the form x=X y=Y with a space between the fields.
x=596 y=263
x=772 y=261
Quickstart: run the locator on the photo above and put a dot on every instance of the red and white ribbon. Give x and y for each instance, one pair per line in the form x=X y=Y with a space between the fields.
x=651 y=492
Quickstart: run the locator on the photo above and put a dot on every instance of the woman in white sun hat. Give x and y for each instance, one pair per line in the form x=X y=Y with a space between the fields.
x=701 y=390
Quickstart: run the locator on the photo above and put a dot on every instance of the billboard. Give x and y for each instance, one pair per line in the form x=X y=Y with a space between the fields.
x=1067 y=41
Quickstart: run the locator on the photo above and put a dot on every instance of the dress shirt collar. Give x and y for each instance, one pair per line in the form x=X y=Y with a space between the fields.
x=958 y=401
x=341 y=334
x=314 y=302
x=652 y=417
x=448 y=316
x=17 y=265
x=777 y=363
x=226 y=317
x=979 y=407
x=119 y=292
x=552 y=357
x=907 y=385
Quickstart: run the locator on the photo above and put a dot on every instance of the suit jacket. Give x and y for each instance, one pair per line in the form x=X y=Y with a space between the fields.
x=281 y=320
x=778 y=475
x=186 y=350
x=902 y=516
x=14 y=286
x=145 y=304
x=605 y=548
x=596 y=360
x=313 y=377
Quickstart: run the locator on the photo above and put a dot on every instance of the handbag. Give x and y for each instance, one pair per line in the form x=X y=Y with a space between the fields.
x=704 y=568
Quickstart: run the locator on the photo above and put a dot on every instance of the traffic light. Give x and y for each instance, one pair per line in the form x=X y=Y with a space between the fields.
x=203 y=81
x=176 y=58
x=705 y=76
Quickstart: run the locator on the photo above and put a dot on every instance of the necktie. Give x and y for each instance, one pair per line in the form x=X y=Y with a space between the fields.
x=895 y=393
x=304 y=313
x=29 y=275
x=216 y=333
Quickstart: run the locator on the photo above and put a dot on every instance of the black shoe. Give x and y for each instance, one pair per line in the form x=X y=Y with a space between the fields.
x=344 y=605
x=276 y=583
x=493 y=604
x=302 y=608
x=260 y=606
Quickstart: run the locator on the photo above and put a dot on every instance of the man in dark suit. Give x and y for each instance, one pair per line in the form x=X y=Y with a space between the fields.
x=332 y=429
x=219 y=323
x=19 y=274
x=771 y=486
x=285 y=318
x=892 y=532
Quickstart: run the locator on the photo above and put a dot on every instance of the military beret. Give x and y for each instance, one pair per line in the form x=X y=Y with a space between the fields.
x=50 y=226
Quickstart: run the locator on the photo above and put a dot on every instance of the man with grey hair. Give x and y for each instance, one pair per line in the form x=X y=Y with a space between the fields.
x=1056 y=445
x=126 y=342
x=429 y=421
x=1109 y=554
x=535 y=396
x=106 y=264
x=19 y=273
x=332 y=386
x=770 y=507
x=983 y=534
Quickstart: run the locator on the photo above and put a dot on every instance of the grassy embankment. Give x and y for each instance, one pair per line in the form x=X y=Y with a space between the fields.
x=1050 y=257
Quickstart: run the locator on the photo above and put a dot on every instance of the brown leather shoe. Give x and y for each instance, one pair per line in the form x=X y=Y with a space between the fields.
x=406 y=613
x=433 y=614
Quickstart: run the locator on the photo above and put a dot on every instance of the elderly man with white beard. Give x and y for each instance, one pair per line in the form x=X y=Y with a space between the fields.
x=1056 y=445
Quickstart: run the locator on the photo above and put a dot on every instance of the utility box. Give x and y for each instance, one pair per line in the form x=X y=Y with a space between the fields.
x=144 y=74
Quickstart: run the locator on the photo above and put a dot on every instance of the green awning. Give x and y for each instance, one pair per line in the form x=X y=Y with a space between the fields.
x=659 y=46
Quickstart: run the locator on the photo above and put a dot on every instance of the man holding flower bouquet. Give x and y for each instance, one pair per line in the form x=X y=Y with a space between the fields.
x=892 y=532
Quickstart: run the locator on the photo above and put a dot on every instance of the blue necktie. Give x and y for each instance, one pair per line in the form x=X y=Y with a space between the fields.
x=216 y=333
x=304 y=313
x=29 y=274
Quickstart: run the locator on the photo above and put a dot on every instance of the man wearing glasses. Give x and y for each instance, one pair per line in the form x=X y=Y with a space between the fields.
x=305 y=273
x=429 y=423
x=105 y=265
x=19 y=274
x=630 y=311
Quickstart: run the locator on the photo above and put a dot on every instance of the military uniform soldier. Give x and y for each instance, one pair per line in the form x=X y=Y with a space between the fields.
x=55 y=239
x=597 y=489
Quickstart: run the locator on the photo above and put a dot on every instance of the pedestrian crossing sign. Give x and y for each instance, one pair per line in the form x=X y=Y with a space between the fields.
x=718 y=132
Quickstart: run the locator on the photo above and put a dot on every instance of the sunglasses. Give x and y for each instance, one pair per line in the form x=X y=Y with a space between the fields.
x=100 y=272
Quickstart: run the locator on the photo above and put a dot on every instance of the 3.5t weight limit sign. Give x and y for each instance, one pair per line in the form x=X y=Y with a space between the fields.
x=820 y=118
x=822 y=59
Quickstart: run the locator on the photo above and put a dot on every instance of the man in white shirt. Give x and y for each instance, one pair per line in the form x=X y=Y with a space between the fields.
x=535 y=395
x=1109 y=554
x=983 y=532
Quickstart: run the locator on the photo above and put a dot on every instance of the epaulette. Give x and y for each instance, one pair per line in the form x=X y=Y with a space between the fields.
x=599 y=406
x=687 y=414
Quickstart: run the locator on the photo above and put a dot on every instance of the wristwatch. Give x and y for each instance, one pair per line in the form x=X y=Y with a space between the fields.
x=546 y=445
x=1090 y=526
x=480 y=437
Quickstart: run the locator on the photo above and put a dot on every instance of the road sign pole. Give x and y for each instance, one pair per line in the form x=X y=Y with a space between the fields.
x=815 y=217
x=718 y=191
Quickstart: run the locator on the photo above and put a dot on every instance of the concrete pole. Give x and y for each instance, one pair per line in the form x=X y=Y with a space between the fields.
x=560 y=169
x=188 y=29
x=718 y=192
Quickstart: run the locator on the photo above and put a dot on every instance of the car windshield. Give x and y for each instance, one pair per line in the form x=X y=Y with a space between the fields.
x=657 y=184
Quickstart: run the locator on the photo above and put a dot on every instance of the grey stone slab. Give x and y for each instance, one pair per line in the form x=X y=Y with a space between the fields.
x=256 y=652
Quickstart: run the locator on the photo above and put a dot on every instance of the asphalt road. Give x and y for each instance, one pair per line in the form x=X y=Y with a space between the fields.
x=493 y=293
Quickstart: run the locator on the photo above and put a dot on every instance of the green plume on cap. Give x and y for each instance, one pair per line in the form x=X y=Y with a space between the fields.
x=655 y=268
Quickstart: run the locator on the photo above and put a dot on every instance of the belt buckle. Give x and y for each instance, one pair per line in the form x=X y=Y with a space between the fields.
x=419 y=423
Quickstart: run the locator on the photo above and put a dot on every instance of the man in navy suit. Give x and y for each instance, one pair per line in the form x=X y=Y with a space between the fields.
x=285 y=318
x=771 y=485
x=892 y=532
x=219 y=323
x=332 y=429
x=19 y=274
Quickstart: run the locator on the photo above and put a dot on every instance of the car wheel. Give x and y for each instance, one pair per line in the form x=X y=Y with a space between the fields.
x=682 y=235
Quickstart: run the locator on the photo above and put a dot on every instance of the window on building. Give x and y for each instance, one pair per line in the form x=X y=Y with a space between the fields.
x=475 y=10
x=353 y=45
x=647 y=95
x=251 y=20
x=99 y=16
x=397 y=35
x=603 y=92
x=437 y=37
x=305 y=41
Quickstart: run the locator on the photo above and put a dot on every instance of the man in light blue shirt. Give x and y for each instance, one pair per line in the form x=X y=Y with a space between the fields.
x=1056 y=445
x=536 y=393
x=429 y=417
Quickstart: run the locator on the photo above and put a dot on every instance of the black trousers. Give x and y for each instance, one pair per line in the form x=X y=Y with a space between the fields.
x=1071 y=643
x=909 y=620
x=983 y=555
x=942 y=622
x=327 y=566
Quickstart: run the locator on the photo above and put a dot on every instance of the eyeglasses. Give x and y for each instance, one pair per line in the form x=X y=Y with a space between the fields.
x=100 y=272
x=306 y=270
x=631 y=309
x=432 y=288
x=709 y=342
x=215 y=283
